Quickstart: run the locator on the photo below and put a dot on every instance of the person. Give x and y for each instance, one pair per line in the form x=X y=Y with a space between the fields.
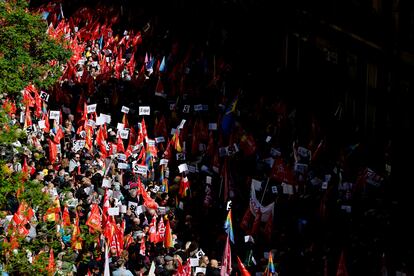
x=203 y=262
x=122 y=271
x=212 y=268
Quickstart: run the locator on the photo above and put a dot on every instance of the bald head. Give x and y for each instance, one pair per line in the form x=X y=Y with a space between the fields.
x=214 y=263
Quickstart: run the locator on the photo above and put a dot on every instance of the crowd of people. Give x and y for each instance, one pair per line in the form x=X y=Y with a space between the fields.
x=150 y=140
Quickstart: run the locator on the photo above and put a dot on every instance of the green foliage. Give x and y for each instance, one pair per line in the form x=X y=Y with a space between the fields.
x=26 y=50
x=27 y=55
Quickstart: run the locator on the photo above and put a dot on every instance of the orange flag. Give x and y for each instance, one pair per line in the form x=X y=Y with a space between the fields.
x=66 y=217
x=168 y=241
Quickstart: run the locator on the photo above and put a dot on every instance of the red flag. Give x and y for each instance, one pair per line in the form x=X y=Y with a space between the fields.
x=66 y=217
x=242 y=268
x=256 y=224
x=226 y=260
x=168 y=241
x=342 y=271
x=120 y=145
x=152 y=232
x=94 y=220
x=246 y=221
x=51 y=266
x=161 y=230
x=142 y=246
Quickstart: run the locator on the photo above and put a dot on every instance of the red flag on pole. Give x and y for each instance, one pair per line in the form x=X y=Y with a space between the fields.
x=242 y=268
x=342 y=271
x=226 y=260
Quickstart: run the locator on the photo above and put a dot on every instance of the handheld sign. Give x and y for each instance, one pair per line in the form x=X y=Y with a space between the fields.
x=144 y=110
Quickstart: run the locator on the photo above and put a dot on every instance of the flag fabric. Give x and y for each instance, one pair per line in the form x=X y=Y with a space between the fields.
x=226 y=260
x=66 y=217
x=161 y=230
x=342 y=271
x=107 y=271
x=227 y=121
x=242 y=268
x=51 y=266
x=152 y=232
x=168 y=241
x=142 y=246
x=94 y=220
x=270 y=268
x=228 y=226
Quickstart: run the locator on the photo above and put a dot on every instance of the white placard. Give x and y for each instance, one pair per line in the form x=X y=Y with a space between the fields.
x=183 y=168
x=301 y=168
x=44 y=96
x=120 y=126
x=172 y=106
x=161 y=210
x=180 y=156
x=100 y=121
x=123 y=166
x=173 y=130
x=141 y=169
x=132 y=206
x=248 y=239
x=346 y=208
x=91 y=108
x=41 y=124
x=324 y=185
x=124 y=134
x=144 y=110
x=151 y=142
x=160 y=139
x=201 y=270
x=192 y=169
x=274 y=152
x=287 y=189
x=55 y=115
x=257 y=185
x=212 y=126
x=198 y=107
x=268 y=138
x=186 y=109
x=113 y=211
x=164 y=161
x=274 y=189
x=106 y=117
x=181 y=124
x=91 y=123
x=121 y=156
x=140 y=209
x=123 y=209
x=208 y=179
x=193 y=262
x=125 y=109
x=181 y=205
x=106 y=183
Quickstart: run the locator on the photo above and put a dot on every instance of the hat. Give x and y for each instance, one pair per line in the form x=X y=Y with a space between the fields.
x=168 y=258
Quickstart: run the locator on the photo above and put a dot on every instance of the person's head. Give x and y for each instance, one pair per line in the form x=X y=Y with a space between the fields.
x=203 y=262
x=214 y=263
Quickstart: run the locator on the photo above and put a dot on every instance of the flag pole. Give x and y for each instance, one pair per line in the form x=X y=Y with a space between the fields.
x=264 y=192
